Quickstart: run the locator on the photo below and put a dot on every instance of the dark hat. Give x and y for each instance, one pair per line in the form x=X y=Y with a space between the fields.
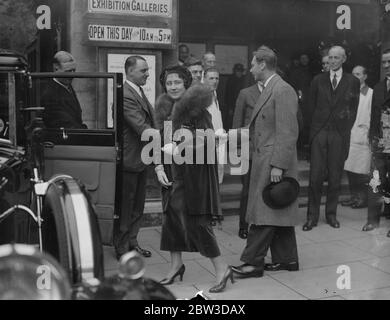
x=282 y=194
x=182 y=72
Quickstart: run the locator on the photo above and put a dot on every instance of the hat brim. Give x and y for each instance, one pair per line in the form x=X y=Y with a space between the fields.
x=272 y=203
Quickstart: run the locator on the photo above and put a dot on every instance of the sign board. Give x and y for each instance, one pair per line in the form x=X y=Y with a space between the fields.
x=146 y=24
x=116 y=64
x=125 y=34
x=159 y=8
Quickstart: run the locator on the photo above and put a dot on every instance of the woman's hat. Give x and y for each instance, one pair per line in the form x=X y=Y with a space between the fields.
x=282 y=194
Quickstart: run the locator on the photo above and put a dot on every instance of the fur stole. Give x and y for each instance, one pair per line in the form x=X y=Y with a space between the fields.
x=191 y=109
x=163 y=110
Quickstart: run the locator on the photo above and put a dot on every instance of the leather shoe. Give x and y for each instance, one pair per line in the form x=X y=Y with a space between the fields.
x=348 y=202
x=243 y=233
x=143 y=252
x=248 y=271
x=333 y=223
x=291 y=266
x=369 y=227
x=310 y=224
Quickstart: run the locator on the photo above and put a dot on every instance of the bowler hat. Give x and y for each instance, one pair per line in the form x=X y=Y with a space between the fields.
x=281 y=194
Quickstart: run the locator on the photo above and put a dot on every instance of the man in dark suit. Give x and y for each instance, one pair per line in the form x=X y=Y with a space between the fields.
x=62 y=108
x=380 y=142
x=333 y=102
x=138 y=117
x=246 y=101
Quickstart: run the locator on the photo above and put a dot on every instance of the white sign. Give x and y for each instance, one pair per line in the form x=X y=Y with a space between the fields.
x=161 y=8
x=129 y=34
x=116 y=64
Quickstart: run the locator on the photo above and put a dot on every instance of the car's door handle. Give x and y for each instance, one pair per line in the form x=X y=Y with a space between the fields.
x=48 y=144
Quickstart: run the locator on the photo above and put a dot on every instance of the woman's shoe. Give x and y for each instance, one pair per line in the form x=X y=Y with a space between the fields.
x=222 y=285
x=180 y=272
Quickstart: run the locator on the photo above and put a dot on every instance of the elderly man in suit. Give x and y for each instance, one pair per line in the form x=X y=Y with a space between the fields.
x=273 y=130
x=379 y=136
x=62 y=107
x=333 y=102
x=138 y=116
x=246 y=102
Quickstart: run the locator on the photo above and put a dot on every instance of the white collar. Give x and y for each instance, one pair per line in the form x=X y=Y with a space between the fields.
x=268 y=80
x=339 y=73
x=135 y=87
x=62 y=85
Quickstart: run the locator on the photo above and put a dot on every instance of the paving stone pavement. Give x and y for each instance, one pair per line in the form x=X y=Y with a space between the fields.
x=321 y=252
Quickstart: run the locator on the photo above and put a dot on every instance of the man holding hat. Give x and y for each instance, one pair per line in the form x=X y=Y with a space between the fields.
x=273 y=131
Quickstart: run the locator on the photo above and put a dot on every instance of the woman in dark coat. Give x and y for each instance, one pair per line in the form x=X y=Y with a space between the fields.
x=190 y=191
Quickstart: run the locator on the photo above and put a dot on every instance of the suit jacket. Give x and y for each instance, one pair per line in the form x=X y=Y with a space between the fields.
x=245 y=104
x=62 y=108
x=337 y=108
x=138 y=116
x=380 y=99
x=273 y=129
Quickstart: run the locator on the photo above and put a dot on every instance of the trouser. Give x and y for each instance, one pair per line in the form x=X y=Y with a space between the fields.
x=358 y=185
x=327 y=155
x=281 y=241
x=245 y=179
x=382 y=164
x=126 y=228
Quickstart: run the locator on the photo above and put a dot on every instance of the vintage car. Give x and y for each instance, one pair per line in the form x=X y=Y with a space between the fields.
x=59 y=186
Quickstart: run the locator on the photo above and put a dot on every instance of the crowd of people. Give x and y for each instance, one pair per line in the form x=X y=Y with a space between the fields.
x=345 y=123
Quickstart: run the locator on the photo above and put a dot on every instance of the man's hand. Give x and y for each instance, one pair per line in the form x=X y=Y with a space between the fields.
x=162 y=178
x=276 y=175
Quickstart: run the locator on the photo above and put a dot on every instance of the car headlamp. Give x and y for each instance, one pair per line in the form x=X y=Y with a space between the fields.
x=131 y=266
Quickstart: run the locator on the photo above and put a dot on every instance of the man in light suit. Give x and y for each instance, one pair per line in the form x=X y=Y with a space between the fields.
x=245 y=104
x=138 y=116
x=333 y=103
x=273 y=130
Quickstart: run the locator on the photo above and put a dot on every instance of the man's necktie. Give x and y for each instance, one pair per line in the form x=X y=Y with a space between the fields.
x=143 y=95
x=261 y=88
x=388 y=85
x=334 y=82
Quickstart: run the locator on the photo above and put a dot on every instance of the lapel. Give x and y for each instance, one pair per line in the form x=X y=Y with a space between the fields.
x=144 y=104
x=69 y=97
x=328 y=86
x=264 y=97
x=386 y=94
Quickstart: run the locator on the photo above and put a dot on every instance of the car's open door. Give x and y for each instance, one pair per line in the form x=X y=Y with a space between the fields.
x=92 y=154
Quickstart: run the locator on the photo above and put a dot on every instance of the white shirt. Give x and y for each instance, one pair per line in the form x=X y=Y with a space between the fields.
x=339 y=74
x=135 y=87
x=216 y=116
